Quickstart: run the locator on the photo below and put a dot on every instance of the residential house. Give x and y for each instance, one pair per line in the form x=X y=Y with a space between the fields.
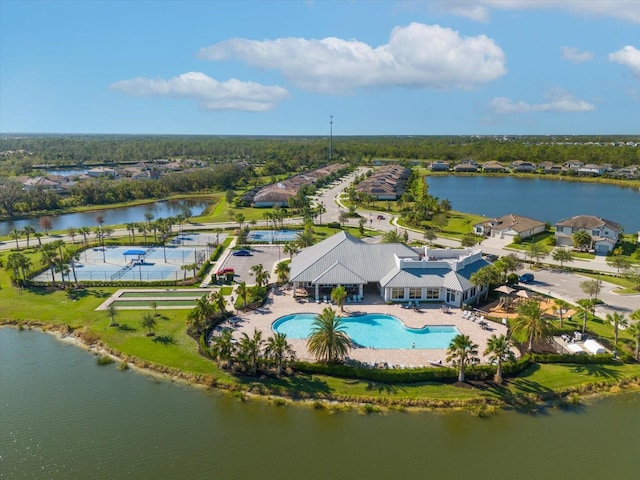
x=398 y=274
x=102 y=171
x=439 y=166
x=466 y=167
x=591 y=169
x=573 y=164
x=386 y=183
x=551 y=168
x=521 y=166
x=604 y=233
x=509 y=226
x=494 y=167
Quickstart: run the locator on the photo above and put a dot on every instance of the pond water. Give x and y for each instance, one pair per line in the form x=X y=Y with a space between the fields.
x=111 y=216
x=63 y=416
x=544 y=200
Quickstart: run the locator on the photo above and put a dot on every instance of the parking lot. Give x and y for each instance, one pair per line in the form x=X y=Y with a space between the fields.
x=267 y=255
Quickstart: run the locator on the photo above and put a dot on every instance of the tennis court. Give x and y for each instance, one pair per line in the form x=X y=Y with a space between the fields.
x=122 y=263
x=272 y=236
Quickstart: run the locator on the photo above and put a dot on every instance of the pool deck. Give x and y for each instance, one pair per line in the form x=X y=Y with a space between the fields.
x=282 y=303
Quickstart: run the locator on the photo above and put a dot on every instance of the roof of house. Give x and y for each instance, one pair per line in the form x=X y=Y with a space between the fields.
x=587 y=222
x=514 y=222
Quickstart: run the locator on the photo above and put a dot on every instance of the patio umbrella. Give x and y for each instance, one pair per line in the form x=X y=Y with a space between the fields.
x=505 y=289
x=524 y=294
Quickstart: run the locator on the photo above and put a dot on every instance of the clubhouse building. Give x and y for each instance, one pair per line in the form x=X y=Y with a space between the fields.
x=394 y=271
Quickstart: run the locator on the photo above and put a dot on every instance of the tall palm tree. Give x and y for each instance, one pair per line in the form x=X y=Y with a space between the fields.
x=72 y=232
x=587 y=306
x=279 y=350
x=339 y=295
x=305 y=238
x=462 y=352
x=223 y=347
x=219 y=301
x=530 y=325
x=198 y=317
x=28 y=230
x=85 y=231
x=16 y=234
x=617 y=320
x=634 y=331
x=149 y=322
x=242 y=293
x=328 y=340
x=282 y=271
x=561 y=307
x=250 y=349
x=499 y=350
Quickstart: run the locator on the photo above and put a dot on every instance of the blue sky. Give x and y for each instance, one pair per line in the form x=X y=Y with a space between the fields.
x=282 y=68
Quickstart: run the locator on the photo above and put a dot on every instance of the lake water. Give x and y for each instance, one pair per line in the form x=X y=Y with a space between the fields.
x=62 y=416
x=544 y=200
x=111 y=216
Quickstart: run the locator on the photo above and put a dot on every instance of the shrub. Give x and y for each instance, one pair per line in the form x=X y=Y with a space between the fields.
x=104 y=360
x=333 y=225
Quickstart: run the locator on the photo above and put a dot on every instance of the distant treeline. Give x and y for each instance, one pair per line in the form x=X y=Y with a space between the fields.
x=280 y=155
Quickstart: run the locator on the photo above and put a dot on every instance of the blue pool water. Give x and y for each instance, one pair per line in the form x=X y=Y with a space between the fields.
x=373 y=330
x=272 y=236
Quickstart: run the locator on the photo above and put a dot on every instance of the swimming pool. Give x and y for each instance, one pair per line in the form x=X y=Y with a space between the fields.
x=373 y=330
x=272 y=236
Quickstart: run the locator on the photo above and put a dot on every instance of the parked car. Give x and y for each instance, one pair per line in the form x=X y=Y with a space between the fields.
x=242 y=253
x=490 y=257
x=526 y=278
x=380 y=217
x=225 y=270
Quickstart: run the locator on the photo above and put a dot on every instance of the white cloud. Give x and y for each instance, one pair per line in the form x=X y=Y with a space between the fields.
x=629 y=57
x=208 y=92
x=479 y=10
x=557 y=100
x=418 y=55
x=575 y=55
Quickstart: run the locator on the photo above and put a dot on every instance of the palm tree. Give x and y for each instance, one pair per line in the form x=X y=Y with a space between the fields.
x=85 y=231
x=223 y=347
x=461 y=352
x=484 y=278
x=200 y=315
x=561 y=307
x=250 y=348
x=586 y=306
x=72 y=232
x=339 y=295
x=149 y=322
x=143 y=229
x=242 y=293
x=305 y=238
x=71 y=256
x=48 y=258
x=530 y=325
x=634 y=331
x=392 y=236
x=28 y=230
x=16 y=234
x=112 y=312
x=562 y=255
x=18 y=263
x=219 y=301
x=290 y=249
x=499 y=350
x=617 y=320
x=282 y=271
x=328 y=340
x=262 y=276
x=581 y=239
x=279 y=350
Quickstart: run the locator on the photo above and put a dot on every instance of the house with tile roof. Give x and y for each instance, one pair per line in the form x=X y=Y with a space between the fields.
x=394 y=271
x=604 y=233
x=509 y=225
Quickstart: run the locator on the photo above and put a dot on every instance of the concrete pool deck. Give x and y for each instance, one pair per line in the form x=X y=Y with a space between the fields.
x=282 y=302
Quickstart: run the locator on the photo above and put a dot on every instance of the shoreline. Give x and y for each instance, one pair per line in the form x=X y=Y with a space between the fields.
x=483 y=407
